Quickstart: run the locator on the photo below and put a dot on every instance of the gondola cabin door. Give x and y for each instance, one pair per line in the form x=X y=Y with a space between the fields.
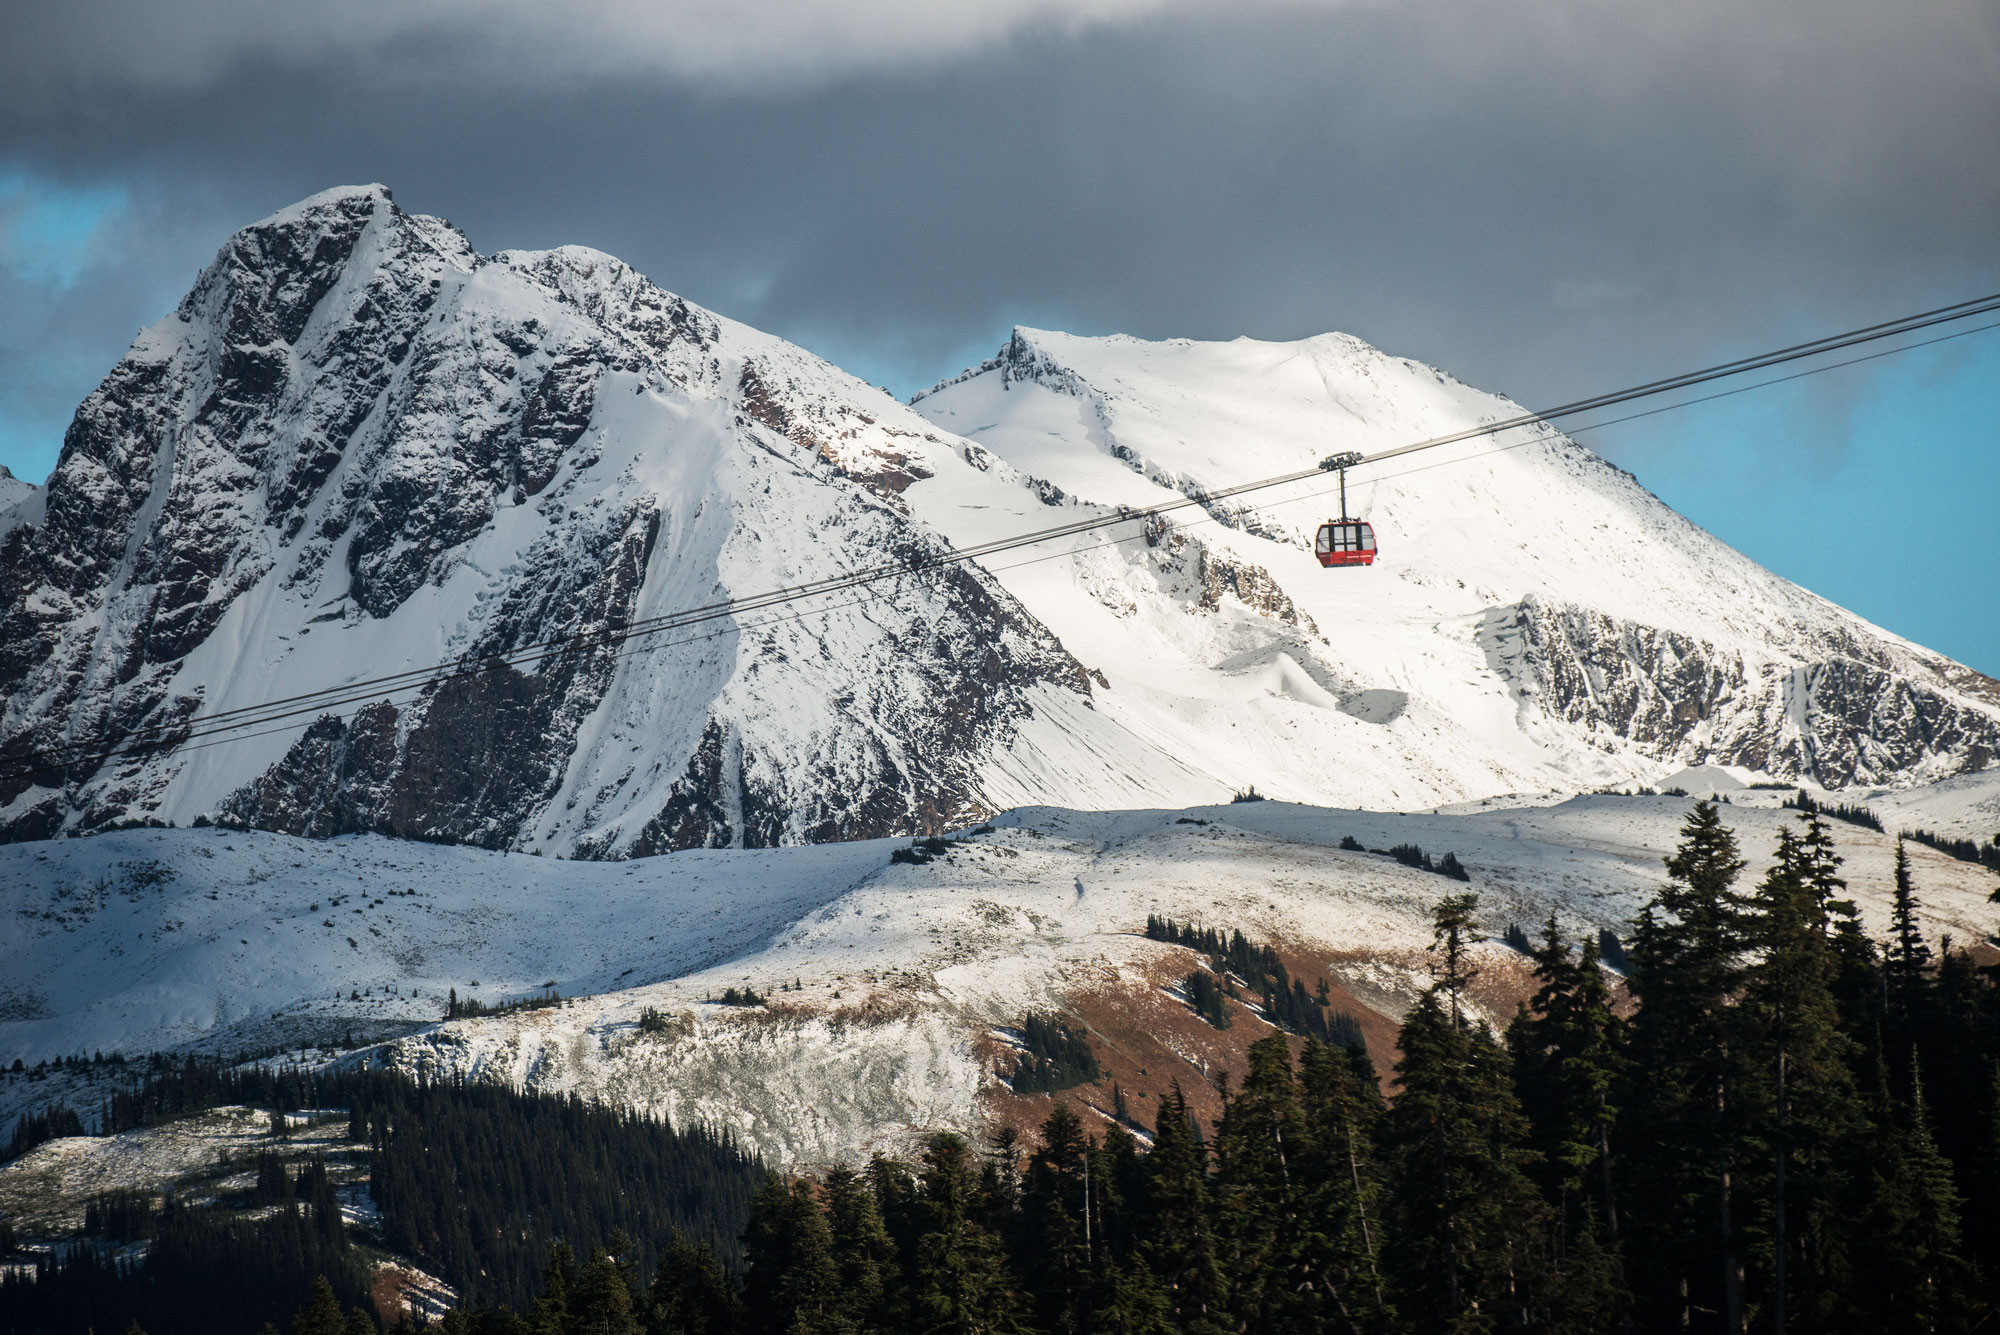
x=1345 y=542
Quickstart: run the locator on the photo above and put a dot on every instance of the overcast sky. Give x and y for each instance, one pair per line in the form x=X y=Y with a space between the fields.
x=1546 y=198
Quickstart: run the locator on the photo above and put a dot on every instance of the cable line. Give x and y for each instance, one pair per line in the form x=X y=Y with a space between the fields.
x=179 y=736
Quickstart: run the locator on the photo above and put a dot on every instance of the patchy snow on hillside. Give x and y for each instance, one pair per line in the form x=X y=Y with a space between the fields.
x=45 y=1191
x=884 y=980
x=899 y=979
x=1967 y=807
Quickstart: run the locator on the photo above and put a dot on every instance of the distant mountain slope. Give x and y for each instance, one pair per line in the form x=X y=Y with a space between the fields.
x=361 y=447
x=1526 y=590
x=15 y=498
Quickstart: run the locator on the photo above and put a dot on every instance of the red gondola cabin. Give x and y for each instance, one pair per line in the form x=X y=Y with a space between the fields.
x=1345 y=542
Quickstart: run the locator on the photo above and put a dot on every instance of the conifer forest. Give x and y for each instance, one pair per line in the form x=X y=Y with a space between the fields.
x=1789 y=1127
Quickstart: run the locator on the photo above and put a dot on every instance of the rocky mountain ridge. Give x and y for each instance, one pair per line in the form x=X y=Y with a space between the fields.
x=356 y=432
x=359 y=446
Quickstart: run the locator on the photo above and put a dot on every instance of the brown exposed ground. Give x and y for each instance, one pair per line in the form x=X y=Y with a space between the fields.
x=1147 y=1040
x=400 y=1292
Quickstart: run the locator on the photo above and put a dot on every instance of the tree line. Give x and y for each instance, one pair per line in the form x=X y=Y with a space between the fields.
x=205 y=1270
x=475 y=1182
x=1788 y=1127
x=1237 y=967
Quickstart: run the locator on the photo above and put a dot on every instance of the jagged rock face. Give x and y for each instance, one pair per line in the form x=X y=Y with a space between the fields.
x=1837 y=721
x=1205 y=575
x=359 y=447
x=1868 y=725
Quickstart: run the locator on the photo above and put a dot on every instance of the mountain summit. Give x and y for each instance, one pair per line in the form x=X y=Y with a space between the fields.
x=360 y=447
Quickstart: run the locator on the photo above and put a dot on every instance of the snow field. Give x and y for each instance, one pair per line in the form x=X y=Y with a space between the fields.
x=903 y=972
x=901 y=978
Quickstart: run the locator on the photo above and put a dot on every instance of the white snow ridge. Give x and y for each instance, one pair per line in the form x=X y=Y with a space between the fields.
x=361 y=447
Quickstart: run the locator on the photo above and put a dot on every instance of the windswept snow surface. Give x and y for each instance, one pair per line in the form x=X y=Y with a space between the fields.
x=1967 y=807
x=886 y=981
x=147 y=939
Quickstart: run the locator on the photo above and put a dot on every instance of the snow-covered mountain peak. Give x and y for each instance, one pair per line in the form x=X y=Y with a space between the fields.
x=334 y=198
x=362 y=447
x=20 y=502
x=1527 y=513
x=1579 y=590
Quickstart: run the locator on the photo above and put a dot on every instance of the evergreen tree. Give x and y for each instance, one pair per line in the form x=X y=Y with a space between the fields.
x=321 y=1314
x=1465 y=1221
x=1982 y=1231
x=999 y=1202
x=692 y=1294
x=1452 y=935
x=1857 y=970
x=862 y=1252
x=1133 y=1304
x=273 y=1185
x=549 y=1314
x=1179 y=1246
x=793 y=1283
x=896 y=1200
x=1918 y=1279
x=959 y=1280
x=1259 y=1195
x=1955 y=1042
x=1057 y=1224
x=602 y=1302
x=1802 y=1101
x=1681 y=1107
x=1340 y=1246
x=481 y=1180
x=1567 y=1054
x=1118 y=1182
x=1906 y=961
x=1567 y=1048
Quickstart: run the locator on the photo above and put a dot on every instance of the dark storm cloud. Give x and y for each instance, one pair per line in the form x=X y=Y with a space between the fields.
x=724 y=43
x=1544 y=197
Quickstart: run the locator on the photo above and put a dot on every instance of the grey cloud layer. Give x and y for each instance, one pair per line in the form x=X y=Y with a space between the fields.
x=1543 y=197
x=189 y=44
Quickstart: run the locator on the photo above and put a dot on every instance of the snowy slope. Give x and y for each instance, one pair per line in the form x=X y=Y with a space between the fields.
x=1552 y=624
x=903 y=973
x=154 y=938
x=13 y=490
x=16 y=497
x=361 y=447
